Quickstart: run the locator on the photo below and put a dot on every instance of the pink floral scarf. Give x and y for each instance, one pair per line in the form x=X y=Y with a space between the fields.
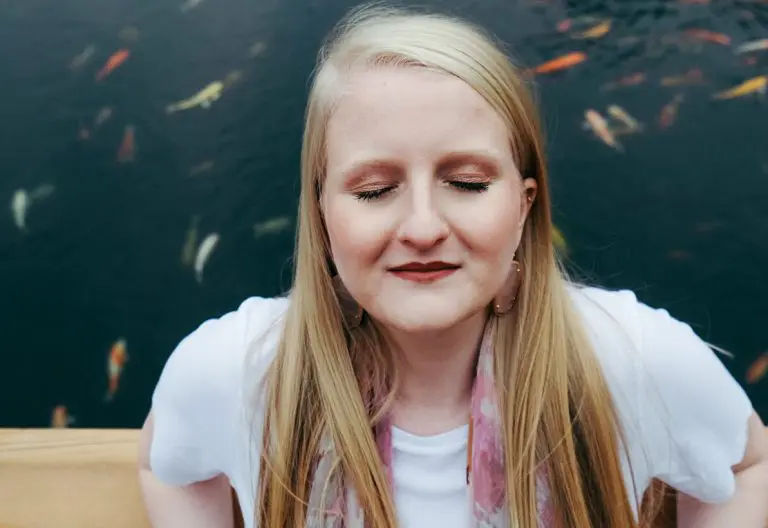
x=336 y=506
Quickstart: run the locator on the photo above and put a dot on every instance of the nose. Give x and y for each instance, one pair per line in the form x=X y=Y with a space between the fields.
x=423 y=225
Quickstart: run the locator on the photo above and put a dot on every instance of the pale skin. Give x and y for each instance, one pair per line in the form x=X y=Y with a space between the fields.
x=420 y=169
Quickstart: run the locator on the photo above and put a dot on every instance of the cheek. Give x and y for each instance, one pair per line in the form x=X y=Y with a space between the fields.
x=493 y=233
x=356 y=239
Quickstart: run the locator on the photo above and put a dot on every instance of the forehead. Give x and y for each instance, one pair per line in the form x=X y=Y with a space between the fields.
x=412 y=113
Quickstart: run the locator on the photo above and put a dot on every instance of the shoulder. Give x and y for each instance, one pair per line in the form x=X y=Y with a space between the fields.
x=681 y=409
x=200 y=394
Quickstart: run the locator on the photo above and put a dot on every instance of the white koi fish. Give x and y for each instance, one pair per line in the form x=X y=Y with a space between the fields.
x=19 y=205
x=272 y=226
x=203 y=98
x=204 y=253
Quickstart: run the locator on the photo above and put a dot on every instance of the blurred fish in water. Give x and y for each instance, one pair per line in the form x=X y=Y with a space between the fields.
x=189 y=5
x=753 y=46
x=22 y=200
x=41 y=191
x=632 y=79
x=706 y=35
x=116 y=360
x=231 y=78
x=204 y=253
x=113 y=62
x=758 y=369
x=256 y=49
x=560 y=63
x=129 y=34
x=60 y=418
x=668 y=114
x=580 y=23
x=599 y=126
x=203 y=98
x=127 y=151
x=596 y=32
x=692 y=76
x=756 y=85
x=82 y=58
x=630 y=124
x=19 y=205
x=202 y=167
x=102 y=117
x=272 y=226
x=558 y=240
x=190 y=243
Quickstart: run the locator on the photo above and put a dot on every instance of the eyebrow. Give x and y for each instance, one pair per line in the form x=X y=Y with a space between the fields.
x=488 y=160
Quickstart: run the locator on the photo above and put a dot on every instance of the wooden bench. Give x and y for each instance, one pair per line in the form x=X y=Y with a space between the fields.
x=83 y=478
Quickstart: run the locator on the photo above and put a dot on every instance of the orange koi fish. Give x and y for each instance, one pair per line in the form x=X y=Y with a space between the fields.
x=758 y=369
x=127 y=149
x=708 y=36
x=117 y=58
x=560 y=63
x=757 y=85
x=118 y=356
x=60 y=418
x=599 y=126
x=668 y=114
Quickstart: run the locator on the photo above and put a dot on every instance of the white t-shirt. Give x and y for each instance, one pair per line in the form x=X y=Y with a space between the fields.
x=684 y=416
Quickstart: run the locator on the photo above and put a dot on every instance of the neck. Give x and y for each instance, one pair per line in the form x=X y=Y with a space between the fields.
x=436 y=372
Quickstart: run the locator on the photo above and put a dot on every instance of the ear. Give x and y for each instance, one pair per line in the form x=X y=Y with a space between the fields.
x=530 y=188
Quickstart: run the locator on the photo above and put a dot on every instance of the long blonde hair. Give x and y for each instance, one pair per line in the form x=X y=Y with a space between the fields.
x=555 y=406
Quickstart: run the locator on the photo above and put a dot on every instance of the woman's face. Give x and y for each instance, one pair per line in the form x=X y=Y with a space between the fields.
x=423 y=203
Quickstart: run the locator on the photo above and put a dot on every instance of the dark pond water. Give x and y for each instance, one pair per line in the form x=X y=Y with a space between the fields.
x=680 y=215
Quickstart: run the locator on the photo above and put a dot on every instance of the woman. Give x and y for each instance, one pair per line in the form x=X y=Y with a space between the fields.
x=432 y=367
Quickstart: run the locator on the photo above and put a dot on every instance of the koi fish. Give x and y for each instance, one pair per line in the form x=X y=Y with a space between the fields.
x=102 y=117
x=117 y=58
x=692 y=76
x=668 y=114
x=753 y=46
x=231 y=78
x=256 y=49
x=599 y=126
x=189 y=5
x=583 y=21
x=190 y=244
x=560 y=63
x=127 y=150
x=118 y=356
x=598 y=31
x=204 y=253
x=631 y=125
x=19 y=205
x=203 y=98
x=40 y=192
x=758 y=369
x=632 y=79
x=82 y=58
x=270 y=227
x=60 y=418
x=129 y=34
x=755 y=85
x=201 y=167
x=708 y=36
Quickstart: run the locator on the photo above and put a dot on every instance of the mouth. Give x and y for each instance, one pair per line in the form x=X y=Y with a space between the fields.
x=424 y=272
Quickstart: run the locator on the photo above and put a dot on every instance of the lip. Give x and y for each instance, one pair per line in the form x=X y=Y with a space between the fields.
x=424 y=272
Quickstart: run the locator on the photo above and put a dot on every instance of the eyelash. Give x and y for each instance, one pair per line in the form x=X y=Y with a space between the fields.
x=466 y=186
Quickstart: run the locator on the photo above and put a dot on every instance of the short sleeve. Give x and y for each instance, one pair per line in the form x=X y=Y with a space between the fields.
x=693 y=413
x=197 y=402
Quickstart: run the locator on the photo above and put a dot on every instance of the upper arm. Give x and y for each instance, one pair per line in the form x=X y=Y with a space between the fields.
x=695 y=415
x=197 y=406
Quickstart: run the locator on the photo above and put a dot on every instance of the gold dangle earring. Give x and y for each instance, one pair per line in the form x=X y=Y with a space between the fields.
x=351 y=311
x=505 y=299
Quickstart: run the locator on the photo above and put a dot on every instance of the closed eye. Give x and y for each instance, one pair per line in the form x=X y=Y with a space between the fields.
x=373 y=194
x=472 y=186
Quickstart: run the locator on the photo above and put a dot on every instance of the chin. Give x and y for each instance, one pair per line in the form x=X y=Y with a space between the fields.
x=422 y=315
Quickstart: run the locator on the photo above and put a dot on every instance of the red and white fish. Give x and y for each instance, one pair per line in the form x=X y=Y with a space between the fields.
x=118 y=356
x=599 y=126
